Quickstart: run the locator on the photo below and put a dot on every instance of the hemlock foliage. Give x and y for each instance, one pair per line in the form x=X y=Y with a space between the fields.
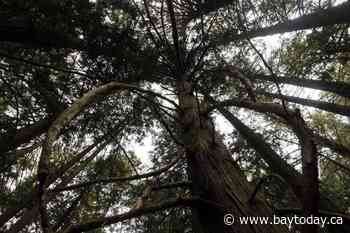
x=239 y=122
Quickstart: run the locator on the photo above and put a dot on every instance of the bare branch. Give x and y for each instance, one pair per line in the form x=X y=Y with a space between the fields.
x=334 y=15
x=119 y=179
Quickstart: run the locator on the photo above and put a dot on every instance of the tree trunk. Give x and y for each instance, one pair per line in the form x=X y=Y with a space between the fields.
x=311 y=193
x=216 y=178
x=275 y=162
x=283 y=169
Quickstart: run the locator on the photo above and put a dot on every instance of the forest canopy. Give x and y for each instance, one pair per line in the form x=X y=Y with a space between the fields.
x=246 y=105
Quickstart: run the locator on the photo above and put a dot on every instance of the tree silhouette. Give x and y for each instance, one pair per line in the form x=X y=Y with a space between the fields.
x=81 y=80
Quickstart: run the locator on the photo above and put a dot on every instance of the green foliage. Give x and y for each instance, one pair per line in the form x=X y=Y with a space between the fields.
x=76 y=46
x=336 y=182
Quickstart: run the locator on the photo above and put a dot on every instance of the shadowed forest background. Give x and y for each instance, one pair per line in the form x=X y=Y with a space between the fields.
x=240 y=122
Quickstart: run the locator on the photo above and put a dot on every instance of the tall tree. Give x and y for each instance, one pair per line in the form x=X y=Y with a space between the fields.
x=81 y=81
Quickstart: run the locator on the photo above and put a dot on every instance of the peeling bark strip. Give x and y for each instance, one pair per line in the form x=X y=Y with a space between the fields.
x=215 y=176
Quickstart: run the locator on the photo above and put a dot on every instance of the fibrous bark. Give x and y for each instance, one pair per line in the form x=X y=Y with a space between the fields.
x=215 y=177
x=287 y=172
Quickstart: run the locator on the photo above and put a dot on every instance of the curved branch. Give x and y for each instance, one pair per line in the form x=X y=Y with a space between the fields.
x=62 y=121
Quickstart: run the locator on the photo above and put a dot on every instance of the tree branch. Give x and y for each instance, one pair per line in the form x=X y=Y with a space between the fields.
x=337 y=87
x=329 y=107
x=119 y=179
x=134 y=213
x=334 y=15
x=264 y=107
